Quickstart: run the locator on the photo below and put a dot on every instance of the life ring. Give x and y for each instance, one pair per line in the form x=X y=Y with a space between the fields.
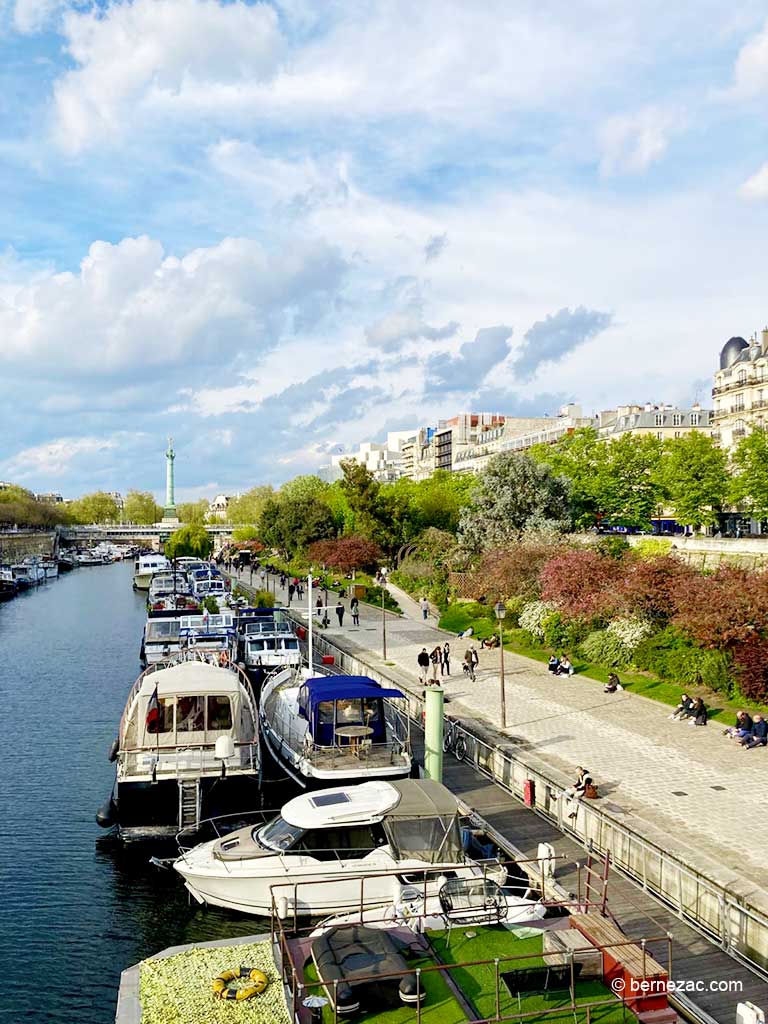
x=259 y=982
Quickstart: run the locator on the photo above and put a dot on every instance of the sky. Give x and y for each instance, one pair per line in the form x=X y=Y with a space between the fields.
x=273 y=230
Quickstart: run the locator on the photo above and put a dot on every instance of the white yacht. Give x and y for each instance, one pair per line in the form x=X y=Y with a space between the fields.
x=50 y=567
x=269 y=642
x=335 y=728
x=160 y=640
x=168 y=590
x=28 y=573
x=187 y=750
x=209 y=585
x=312 y=857
x=209 y=634
x=145 y=567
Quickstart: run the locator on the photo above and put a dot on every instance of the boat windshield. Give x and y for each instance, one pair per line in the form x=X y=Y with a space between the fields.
x=163 y=629
x=278 y=835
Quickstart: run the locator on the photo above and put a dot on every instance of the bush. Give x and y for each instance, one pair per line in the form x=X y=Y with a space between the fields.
x=653 y=547
x=514 y=606
x=582 y=583
x=630 y=630
x=606 y=648
x=263 y=599
x=613 y=546
x=533 y=617
x=455 y=619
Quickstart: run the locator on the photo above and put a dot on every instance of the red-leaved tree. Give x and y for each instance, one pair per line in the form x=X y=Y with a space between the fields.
x=582 y=583
x=654 y=587
x=513 y=572
x=346 y=553
x=751 y=667
x=724 y=610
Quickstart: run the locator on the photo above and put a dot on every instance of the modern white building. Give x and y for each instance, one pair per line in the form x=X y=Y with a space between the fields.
x=384 y=461
x=217 y=508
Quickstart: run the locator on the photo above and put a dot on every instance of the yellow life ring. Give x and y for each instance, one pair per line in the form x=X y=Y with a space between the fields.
x=258 y=979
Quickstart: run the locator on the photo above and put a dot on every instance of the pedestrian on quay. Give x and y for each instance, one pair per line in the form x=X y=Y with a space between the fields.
x=263 y=576
x=340 y=613
x=469 y=663
x=354 y=607
x=291 y=592
x=300 y=590
x=423 y=663
x=424 y=605
x=445 y=664
x=319 y=607
x=250 y=574
x=435 y=658
x=475 y=657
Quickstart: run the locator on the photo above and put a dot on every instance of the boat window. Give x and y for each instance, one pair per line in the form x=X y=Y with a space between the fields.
x=278 y=835
x=372 y=710
x=219 y=713
x=165 y=721
x=291 y=645
x=162 y=629
x=349 y=712
x=190 y=714
x=347 y=841
x=325 y=712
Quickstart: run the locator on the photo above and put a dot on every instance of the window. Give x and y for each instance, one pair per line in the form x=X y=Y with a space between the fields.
x=278 y=835
x=349 y=712
x=660 y=434
x=742 y=378
x=677 y=420
x=165 y=723
x=219 y=713
x=189 y=716
x=659 y=419
x=325 y=712
x=696 y=418
x=678 y=433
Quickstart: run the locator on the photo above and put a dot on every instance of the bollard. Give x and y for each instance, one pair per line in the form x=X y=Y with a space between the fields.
x=433 y=733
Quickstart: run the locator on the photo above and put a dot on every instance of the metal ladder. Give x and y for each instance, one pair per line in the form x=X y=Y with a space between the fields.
x=189 y=803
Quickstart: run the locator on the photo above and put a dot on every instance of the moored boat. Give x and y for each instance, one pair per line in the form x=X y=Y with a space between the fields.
x=8 y=586
x=335 y=728
x=145 y=567
x=187 y=749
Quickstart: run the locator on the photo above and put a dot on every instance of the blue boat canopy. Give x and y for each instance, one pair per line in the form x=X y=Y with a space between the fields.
x=330 y=701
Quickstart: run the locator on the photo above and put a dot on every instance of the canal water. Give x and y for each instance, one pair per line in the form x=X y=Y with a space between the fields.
x=75 y=909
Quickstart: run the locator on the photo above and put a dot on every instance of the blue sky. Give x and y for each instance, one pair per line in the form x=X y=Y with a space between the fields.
x=274 y=229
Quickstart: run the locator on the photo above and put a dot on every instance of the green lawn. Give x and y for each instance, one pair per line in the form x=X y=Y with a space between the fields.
x=721 y=708
x=478 y=984
x=439 y=1006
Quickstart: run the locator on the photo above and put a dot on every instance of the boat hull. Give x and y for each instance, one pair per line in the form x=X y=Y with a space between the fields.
x=141 y=580
x=143 y=809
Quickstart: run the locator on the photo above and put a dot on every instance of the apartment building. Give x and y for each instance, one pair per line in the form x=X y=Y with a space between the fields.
x=661 y=421
x=741 y=389
x=519 y=433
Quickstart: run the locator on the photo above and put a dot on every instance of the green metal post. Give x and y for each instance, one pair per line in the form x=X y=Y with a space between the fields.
x=433 y=733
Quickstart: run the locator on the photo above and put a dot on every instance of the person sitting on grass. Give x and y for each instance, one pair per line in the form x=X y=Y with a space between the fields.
x=613 y=684
x=698 y=714
x=491 y=641
x=758 y=735
x=565 y=668
x=742 y=729
x=553 y=664
x=683 y=709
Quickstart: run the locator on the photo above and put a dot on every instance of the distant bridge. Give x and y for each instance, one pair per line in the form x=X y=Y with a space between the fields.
x=131 y=532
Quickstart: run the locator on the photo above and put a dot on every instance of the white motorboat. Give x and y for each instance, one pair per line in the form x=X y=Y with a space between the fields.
x=160 y=640
x=28 y=573
x=8 y=586
x=50 y=567
x=335 y=728
x=145 y=567
x=209 y=586
x=268 y=641
x=187 y=750
x=210 y=634
x=338 y=850
x=168 y=584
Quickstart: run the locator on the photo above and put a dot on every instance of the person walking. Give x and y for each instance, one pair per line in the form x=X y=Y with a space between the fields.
x=340 y=613
x=434 y=659
x=291 y=592
x=423 y=662
x=469 y=663
x=424 y=605
x=445 y=664
x=319 y=607
x=354 y=607
x=475 y=658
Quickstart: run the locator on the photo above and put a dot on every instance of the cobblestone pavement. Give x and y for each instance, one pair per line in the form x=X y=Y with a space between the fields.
x=693 y=784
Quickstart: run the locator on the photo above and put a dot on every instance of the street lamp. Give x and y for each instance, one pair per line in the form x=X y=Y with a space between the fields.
x=383 y=571
x=501 y=611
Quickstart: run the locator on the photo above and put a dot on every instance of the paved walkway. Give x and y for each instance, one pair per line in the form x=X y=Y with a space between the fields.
x=702 y=790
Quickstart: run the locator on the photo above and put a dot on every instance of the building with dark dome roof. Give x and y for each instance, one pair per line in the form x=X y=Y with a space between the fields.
x=741 y=389
x=731 y=351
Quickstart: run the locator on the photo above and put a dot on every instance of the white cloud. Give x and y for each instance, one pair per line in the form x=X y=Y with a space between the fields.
x=157 y=54
x=53 y=458
x=32 y=15
x=630 y=143
x=750 y=76
x=131 y=306
x=756 y=187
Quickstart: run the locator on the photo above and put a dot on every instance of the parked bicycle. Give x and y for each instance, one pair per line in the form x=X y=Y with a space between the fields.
x=454 y=740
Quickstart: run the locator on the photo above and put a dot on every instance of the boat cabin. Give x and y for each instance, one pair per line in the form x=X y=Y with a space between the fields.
x=340 y=710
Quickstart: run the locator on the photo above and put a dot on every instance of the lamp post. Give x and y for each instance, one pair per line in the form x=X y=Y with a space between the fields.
x=501 y=611
x=384 y=572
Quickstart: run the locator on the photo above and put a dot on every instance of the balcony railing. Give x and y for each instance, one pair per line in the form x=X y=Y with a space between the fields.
x=738 y=432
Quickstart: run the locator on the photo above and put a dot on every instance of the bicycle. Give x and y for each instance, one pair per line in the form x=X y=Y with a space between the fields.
x=454 y=740
x=469 y=670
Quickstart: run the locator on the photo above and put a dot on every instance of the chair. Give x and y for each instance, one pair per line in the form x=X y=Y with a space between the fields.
x=472 y=901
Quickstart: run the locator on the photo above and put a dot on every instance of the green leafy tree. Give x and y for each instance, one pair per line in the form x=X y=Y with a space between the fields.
x=19 y=506
x=749 y=488
x=247 y=508
x=243 y=533
x=141 y=507
x=304 y=488
x=193 y=511
x=514 y=493
x=191 y=540
x=695 y=476
x=362 y=490
x=629 y=484
x=290 y=526
x=582 y=458
x=338 y=503
x=98 y=507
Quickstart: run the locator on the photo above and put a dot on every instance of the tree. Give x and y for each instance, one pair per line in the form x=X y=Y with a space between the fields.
x=243 y=533
x=20 y=506
x=652 y=587
x=290 y=526
x=141 y=507
x=694 y=472
x=346 y=553
x=581 y=457
x=629 y=488
x=512 y=494
x=193 y=511
x=247 y=508
x=582 y=583
x=513 y=571
x=304 y=488
x=98 y=507
x=361 y=490
x=191 y=540
x=750 y=483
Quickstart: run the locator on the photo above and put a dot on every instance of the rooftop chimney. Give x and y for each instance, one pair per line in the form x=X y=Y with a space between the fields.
x=765 y=341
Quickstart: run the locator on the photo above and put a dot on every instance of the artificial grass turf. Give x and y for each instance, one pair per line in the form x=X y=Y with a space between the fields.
x=439 y=1006
x=478 y=983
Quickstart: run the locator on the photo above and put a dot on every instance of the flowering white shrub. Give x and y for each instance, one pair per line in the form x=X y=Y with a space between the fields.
x=630 y=630
x=534 y=615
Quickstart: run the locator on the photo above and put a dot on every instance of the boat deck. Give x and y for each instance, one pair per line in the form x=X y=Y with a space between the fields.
x=699 y=963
